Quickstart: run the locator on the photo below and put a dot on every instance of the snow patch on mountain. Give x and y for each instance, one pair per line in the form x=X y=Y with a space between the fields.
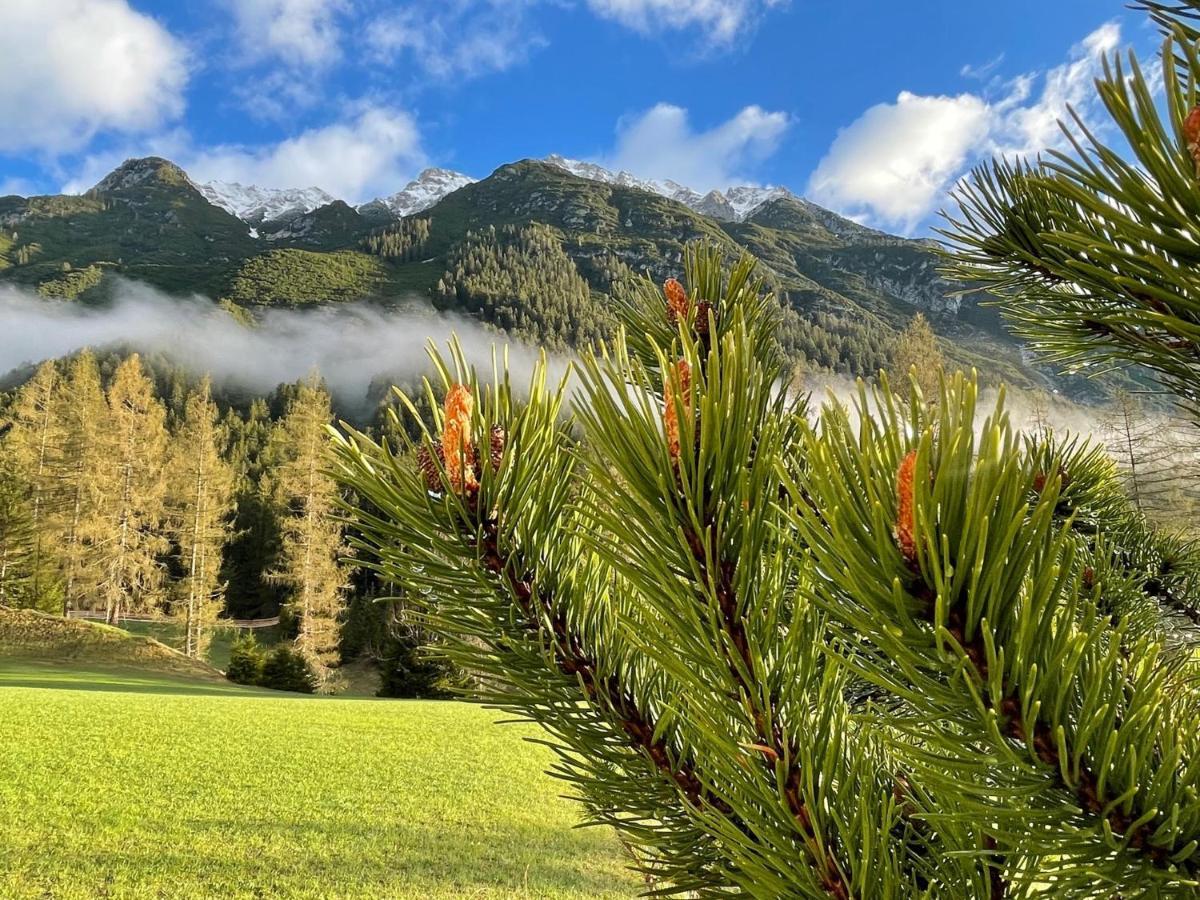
x=747 y=198
x=733 y=204
x=422 y=192
x=257 y=205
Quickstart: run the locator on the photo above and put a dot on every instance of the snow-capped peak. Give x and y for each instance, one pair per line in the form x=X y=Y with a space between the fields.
x=594 y=172
x=735 y=203
x=745 y=199
x=257 y=205
x=424 y=191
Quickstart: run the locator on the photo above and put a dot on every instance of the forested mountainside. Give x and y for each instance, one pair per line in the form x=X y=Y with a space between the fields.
x=533 y=248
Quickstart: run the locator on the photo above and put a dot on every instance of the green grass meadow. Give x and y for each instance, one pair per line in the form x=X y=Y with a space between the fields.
x=126 y=783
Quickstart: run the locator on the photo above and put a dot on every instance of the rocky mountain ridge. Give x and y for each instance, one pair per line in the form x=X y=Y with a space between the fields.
x=419 y=194
x=256 y=205
x=259 y=206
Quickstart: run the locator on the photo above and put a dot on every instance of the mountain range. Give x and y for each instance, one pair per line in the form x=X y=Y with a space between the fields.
x=507 y=249
x=256 y=205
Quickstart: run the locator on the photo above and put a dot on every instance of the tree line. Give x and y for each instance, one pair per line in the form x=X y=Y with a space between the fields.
x=403 y=241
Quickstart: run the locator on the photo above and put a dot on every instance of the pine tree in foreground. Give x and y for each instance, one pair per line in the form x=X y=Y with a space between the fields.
x=83 y=471
x=133 y=493
x=17 y=539
x=32 y=449
x=888 y=655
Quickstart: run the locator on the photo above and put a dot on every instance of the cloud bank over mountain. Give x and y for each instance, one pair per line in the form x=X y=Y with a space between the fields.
x=70 y=70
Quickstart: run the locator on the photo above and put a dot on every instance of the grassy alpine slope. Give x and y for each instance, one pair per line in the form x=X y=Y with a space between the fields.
x=163 y=788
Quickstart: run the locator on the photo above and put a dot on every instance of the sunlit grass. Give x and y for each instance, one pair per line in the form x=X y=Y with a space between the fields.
x=151 y=787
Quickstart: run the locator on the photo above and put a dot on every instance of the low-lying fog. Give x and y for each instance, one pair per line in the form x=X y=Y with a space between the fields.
x=350 y=345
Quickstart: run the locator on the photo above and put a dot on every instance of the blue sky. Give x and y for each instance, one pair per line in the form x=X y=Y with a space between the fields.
x=872 y=108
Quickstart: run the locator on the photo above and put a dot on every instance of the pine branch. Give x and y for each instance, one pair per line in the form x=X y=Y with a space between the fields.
x=539 y=612
x=505 y=616
x=1091 y=254
x=777 y=753
x=685 y=509
x=985 y=627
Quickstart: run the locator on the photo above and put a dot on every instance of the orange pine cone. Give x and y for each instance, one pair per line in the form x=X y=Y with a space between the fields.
x=457 y=448
x=670 y=421
x=1191 y=132
x=677 y=300
x=703 y=308
x=906 y=537
x=1040 y=479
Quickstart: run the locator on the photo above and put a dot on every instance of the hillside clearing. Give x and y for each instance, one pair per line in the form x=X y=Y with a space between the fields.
x=230 y=793
x=29 y=635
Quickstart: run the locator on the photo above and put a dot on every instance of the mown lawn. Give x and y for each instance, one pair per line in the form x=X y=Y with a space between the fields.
x=143 y=786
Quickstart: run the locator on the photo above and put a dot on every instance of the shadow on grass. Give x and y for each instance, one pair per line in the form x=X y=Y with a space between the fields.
x=20 y=672
x=36 y=673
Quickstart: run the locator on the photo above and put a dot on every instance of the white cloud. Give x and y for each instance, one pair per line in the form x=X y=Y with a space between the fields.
x=70 y=69
x=456 y=38
x=897 y=159
x=721 y=20
x=278 y=95
x=984 y=71
x=1023 y=130
x=894 y=165
x=661 y=144
x=298 y=32
x=374 y=152
x=354 y=160
x=467 y=38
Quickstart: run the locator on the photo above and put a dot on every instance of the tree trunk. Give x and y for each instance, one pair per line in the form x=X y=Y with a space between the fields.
x=73 y=543
x=191 y=640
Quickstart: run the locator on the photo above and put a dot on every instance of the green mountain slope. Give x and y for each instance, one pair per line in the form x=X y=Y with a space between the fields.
x=563 y=241
x=145 y=220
